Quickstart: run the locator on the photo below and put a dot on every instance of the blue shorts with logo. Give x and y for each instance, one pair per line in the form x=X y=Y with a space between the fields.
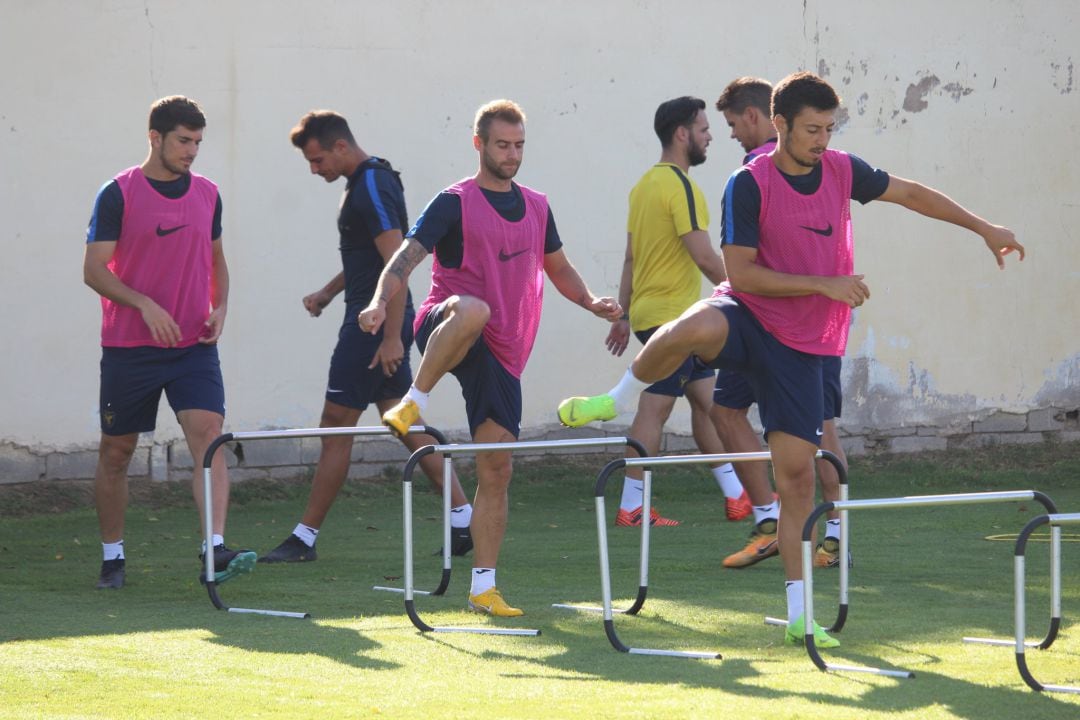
x=733 y=390
x=674 y=385
x=787 y=383
x=133 y=378
x=350 y=382
x=490 y=391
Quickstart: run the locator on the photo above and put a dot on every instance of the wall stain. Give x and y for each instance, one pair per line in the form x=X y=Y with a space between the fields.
x=957 y=91
x=915 y=98
x=1064 y=85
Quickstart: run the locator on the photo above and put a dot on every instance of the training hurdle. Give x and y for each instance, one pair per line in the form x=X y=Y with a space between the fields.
x=448 y=451
x=601 y=530
x=208 y=512
x=1055 y=522
x=910 y=501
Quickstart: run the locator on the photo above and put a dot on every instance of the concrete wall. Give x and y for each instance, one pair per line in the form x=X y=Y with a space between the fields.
x=978 y=98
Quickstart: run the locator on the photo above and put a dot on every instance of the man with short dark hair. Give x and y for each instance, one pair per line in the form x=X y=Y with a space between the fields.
x=667 y=251
x=789 y=257
x=365 y=368
x=493 y=241
x=154 y=254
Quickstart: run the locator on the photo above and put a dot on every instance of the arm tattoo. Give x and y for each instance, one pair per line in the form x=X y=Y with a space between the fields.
x=406 y=260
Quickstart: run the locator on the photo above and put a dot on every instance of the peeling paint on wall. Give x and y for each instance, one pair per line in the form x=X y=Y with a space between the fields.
x=915 y=98
x=957 y=91
x=1062 y=386
x=1063 y=76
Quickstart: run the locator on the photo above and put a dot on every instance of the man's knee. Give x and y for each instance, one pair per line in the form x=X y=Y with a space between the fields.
x=115 y=452
x=470 y=311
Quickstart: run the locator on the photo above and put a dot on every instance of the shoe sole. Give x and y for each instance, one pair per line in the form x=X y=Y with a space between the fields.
x=484 y=610
x=755 y=559
x=271 y=560
x=239 y=565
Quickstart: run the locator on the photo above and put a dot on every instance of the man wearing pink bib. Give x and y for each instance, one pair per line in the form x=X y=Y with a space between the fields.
x=493 y=241
x=154 y=254
x=787 y=303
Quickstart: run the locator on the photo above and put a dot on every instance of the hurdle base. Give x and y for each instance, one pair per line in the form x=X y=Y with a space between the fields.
x=383 y=588
x=487 y=631
x=587 y=608
x=906 y=674
x=274 y=613
x=1000 y=642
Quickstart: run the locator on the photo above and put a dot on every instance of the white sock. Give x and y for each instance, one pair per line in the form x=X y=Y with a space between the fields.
x=215 y=539
x=633 y=494
x=832 y=529
x=113 y=551
x=766 y=512
x=420 y=398
x=483 y=579
x=626 y=393
x=306 y=533
x=795 y=607
x=728 y=481
x=461 y=516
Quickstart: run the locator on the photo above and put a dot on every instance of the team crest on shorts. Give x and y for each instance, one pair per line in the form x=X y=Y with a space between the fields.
x=109 y=417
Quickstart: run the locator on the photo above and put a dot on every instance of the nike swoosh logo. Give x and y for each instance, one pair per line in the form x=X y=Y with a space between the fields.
x=766 y=549
x=504 y=256
x=819 y=433
x=162 y=232
x=826 y=232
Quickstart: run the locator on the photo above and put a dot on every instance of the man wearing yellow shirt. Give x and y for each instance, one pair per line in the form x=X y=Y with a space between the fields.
x=667 y=251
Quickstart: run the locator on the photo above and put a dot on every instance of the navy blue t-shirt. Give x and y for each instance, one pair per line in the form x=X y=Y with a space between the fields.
x=438 y=228
x=373 y=203
x=742 y=198
x=108 y=216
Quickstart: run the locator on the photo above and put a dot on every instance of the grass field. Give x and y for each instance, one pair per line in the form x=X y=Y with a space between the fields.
x=923 y=578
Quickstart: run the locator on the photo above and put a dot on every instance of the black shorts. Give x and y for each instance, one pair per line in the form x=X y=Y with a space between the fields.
x=490 y=391
x=674 y=384
x=786 y=382
x=132 y=380
x=733 y=390
x=351 y=383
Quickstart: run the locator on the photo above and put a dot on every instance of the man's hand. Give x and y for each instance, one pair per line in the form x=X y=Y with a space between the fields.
x=848 y=289
x=162 y=326
x=605 y=307
x=372 y=317
x=214 y=325
x=1001 y=242
x=317 y=301
x=390 y=355
x=618 y=337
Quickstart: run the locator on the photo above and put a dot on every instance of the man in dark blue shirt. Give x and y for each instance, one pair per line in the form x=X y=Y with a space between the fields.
x=365 y=368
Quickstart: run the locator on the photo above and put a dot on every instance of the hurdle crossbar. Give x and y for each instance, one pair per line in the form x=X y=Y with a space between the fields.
x=1055 y=521
x=909 y=501
x=208 y=511
x=449 y=450
x=647 y=463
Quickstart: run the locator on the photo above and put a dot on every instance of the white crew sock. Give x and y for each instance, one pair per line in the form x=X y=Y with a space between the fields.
x=766 y=512
x=418 y=397
x=633 y=494
x=832 y=529
x=483 y=579
x=626 y=393
x=461 y=516
x=215 y=539
x=113 y=551
x=795 y=607
x=728 y=481
x=306 y=533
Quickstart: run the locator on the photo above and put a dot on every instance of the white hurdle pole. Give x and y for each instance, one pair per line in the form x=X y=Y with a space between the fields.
x=447 y=451
x=208 y=502
x=909 y=501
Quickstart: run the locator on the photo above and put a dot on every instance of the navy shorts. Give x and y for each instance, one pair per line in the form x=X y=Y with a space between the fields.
x=674 y=385
x=490 y=391
x=351 y=383
x=830 y=378
x=132 y=380
x=786 y=382
x=733 y=390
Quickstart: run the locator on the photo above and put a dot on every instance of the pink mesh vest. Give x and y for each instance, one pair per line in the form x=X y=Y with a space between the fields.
x=805 y=235
x=164 y=251
x=503 y=265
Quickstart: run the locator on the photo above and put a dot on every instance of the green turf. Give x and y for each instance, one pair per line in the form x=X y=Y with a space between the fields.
x=923 y=578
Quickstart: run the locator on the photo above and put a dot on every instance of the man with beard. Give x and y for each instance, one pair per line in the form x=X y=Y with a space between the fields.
x=667 y=251
x=493 y=241
x=788 y=250
x=154 y=254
